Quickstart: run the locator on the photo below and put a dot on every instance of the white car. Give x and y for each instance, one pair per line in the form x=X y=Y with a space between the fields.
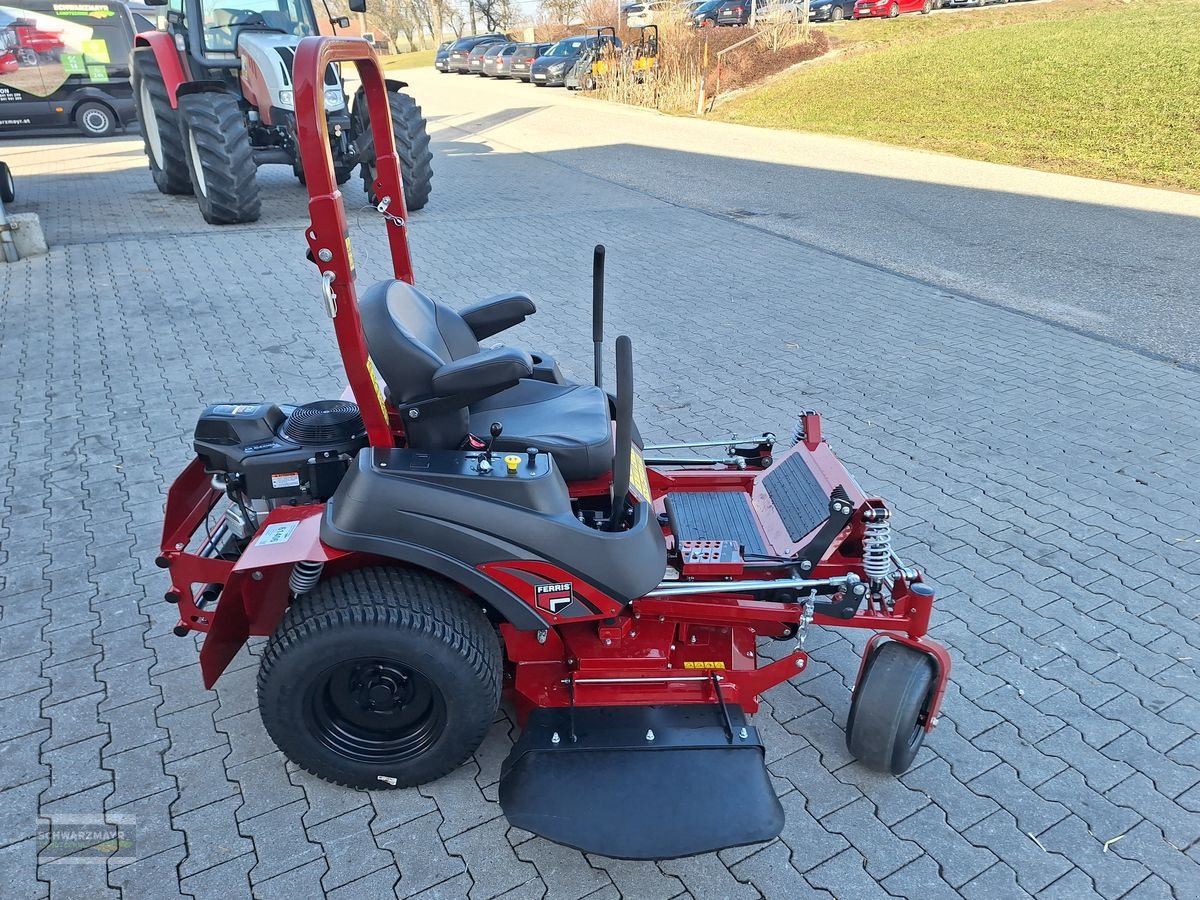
x=648 y=12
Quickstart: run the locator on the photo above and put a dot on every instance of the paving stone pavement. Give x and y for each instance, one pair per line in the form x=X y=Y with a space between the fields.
x=1044 y=479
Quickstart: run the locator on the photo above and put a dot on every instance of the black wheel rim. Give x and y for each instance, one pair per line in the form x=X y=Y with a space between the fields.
x=376 y=710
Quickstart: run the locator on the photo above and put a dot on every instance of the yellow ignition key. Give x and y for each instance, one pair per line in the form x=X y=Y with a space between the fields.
x=511 y=462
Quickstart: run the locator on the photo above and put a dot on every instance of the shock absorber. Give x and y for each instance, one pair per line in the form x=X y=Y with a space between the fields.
x=304 y=577
x=877 y=548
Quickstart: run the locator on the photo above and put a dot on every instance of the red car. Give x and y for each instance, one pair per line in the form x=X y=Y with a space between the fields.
x=889 y=9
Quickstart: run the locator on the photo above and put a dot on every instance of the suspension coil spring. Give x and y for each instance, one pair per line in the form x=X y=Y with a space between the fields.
x=304 y=577
x=877 y=547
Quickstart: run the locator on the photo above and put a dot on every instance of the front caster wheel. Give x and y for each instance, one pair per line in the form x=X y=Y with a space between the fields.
x=886 y=725
x=381 y=678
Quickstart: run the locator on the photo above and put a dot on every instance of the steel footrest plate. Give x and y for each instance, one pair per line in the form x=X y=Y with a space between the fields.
x=641 y=782
x=715 y=516
x=799 y=498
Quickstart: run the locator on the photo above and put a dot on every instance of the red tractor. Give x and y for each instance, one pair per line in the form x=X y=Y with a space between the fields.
x=466 y=525
x=216 y=97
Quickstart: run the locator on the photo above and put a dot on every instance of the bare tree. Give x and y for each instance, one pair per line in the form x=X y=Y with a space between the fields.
x=395 y=18
x=561 y=12
x=497 y=14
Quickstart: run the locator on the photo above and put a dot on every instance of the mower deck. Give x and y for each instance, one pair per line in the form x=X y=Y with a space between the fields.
x=641 y=782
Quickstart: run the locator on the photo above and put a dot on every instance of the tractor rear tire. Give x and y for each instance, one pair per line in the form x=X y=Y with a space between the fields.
x=160 y=126
x=220 y=158
x=381 y=678
x=8 y=188
x=886 y=725
x=412 y=146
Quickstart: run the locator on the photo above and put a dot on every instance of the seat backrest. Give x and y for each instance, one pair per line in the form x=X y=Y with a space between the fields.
x=410 y=336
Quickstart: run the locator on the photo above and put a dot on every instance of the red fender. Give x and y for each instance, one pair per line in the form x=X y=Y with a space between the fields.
x=167 y=58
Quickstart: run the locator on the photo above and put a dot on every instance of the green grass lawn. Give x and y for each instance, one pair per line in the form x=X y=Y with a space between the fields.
x=418 y=60
x=1107 y=90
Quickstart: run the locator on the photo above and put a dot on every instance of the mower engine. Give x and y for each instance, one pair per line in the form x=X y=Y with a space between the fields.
x=265 y=456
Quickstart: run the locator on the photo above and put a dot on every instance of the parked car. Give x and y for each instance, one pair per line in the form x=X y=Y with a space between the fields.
x=830 y=10
x=648 y=13
x=523 y=59
x=889 y=9
x=705 y=15
x=475 y=57
x=460 y=50
x=441 y=59
x=551 y=69
x=949 y=3
x=487 y=59
x=733 y=12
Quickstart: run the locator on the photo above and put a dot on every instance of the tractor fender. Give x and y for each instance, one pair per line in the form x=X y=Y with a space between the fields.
x=201 y=87
x=508 y=605
x=168 y=61
x=394 y=87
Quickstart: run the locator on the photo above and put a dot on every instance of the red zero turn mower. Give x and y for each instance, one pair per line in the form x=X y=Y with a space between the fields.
x=474 y=526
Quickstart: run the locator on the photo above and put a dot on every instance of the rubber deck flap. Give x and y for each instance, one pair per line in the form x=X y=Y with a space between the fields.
x=715 y=516
x=797 y=495
x=618 y=794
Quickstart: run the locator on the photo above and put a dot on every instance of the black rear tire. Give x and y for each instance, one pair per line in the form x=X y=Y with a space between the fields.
x=160 y=126
x=220 y=158
x=886 y=725
x=381 y=678
x=412 y=146
x=8 y=188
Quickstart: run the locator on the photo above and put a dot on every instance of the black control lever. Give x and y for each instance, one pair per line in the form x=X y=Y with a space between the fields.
x=485 y=458
x=598 y=314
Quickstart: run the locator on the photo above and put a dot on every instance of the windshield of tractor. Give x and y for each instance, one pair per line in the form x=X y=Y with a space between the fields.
x=224 y=18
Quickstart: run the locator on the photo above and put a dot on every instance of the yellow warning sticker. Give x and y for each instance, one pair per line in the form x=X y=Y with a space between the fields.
x=377 y=383
x=703 y=664
x=638 y=480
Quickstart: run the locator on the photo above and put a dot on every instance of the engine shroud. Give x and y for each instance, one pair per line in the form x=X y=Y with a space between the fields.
x=292 y=454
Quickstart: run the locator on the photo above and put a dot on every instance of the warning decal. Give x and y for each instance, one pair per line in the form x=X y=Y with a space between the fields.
x=637 y=475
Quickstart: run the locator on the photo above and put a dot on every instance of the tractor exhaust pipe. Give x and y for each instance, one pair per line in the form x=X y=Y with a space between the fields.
x=598 y=314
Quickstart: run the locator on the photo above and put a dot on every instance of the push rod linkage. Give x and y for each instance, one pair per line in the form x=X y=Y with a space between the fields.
x=684 y=588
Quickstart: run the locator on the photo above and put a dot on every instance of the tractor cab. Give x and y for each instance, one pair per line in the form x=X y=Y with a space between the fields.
x=465 y=525
x=597 y=60
x=645 y=51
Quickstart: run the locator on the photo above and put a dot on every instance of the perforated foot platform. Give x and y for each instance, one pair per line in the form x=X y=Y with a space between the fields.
x=641 y=782
x=715 y=516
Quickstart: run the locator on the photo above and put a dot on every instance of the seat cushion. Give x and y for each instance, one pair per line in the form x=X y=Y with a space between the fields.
x=569 y=421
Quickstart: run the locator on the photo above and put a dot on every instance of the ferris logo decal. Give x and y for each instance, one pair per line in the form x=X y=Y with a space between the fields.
x=554 y=597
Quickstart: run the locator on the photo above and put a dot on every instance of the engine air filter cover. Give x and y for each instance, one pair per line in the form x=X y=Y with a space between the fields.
x=324 y=422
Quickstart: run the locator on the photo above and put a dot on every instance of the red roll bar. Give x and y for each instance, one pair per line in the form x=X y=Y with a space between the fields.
x=328 y=234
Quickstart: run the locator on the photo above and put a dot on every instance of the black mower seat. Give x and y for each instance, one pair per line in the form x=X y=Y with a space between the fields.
x=424 y=350
x=560 y=419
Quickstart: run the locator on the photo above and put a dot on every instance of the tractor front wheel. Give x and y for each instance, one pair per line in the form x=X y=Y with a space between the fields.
x=381 y=678
x=160 y=125
x=220 y=158
x=412 y=146
x=886 y=725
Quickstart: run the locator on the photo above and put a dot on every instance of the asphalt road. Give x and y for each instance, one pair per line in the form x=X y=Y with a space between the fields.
x=1115 y=261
